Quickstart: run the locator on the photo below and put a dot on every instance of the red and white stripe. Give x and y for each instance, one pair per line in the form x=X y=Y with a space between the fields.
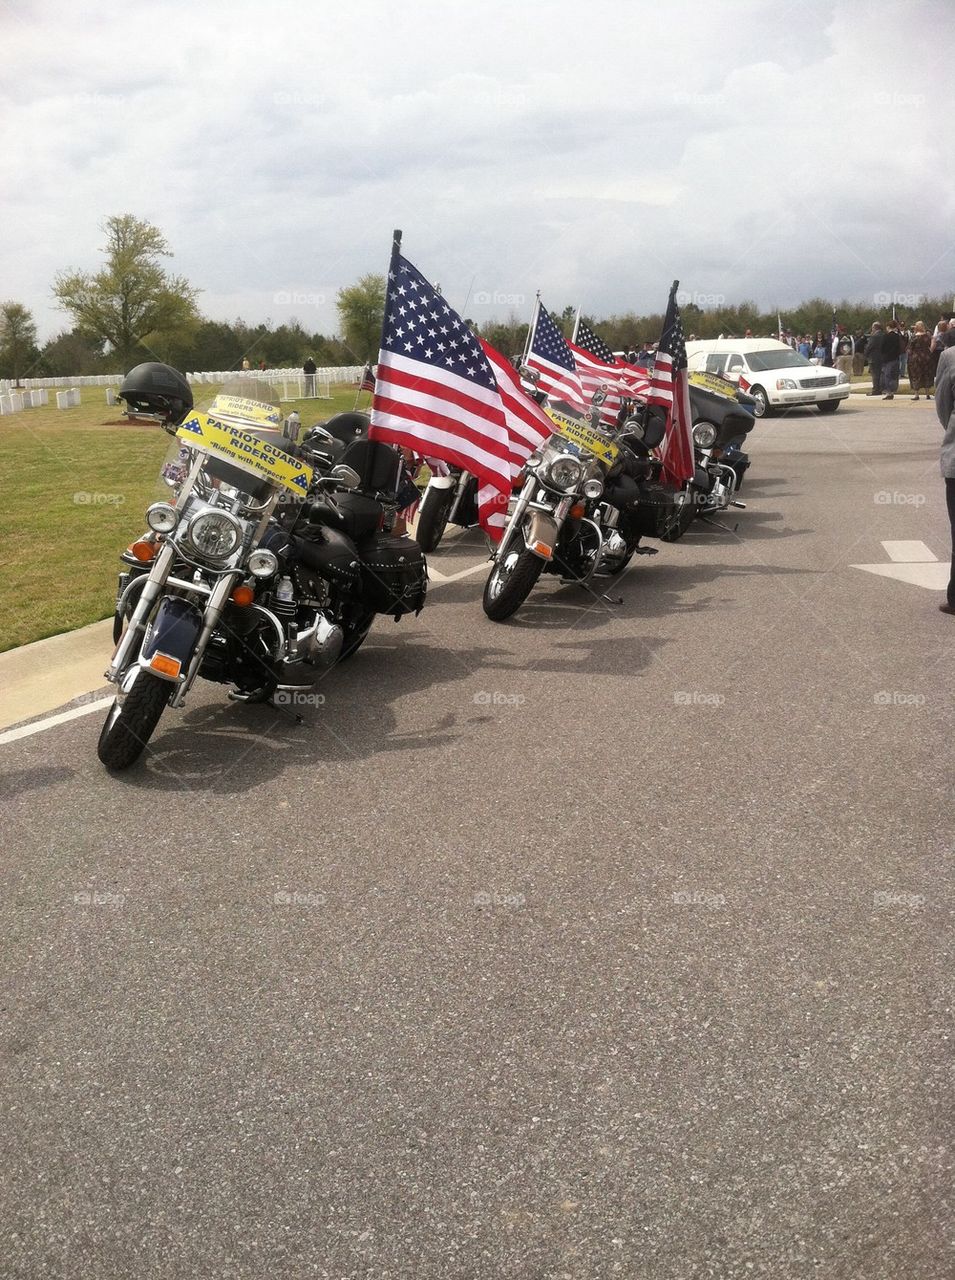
x=673 y=394
x=528 y=426
x=441 y=414
x=595 y=375
x=559 y=383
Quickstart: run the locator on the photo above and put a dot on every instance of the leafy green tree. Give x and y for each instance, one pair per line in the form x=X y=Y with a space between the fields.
x=361 y=311
x=18 y=349
x=132 y=303
x=71 y=353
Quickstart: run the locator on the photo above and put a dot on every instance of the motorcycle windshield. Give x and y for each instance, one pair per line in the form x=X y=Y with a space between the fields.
x=238 y=435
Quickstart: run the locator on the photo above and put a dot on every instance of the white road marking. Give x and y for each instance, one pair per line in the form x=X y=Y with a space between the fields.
x=441 y=578
x=27 y=730
x=908 y=552
x=75 y=713
x=910 y=562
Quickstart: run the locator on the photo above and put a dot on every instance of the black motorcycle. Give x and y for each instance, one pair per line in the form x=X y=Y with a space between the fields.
x=721 y=423
x=255 y=568
x=588 y=500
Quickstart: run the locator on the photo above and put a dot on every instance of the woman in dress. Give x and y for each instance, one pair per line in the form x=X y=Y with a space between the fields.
x=921 y=363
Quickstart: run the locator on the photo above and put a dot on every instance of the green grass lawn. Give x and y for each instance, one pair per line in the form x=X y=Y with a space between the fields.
x=74 y=491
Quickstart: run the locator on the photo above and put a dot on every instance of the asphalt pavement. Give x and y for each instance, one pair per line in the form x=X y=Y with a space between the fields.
x=611 y=941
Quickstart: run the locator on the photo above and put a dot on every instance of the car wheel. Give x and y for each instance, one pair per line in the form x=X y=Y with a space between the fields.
x=829 y=406
x=761 y=405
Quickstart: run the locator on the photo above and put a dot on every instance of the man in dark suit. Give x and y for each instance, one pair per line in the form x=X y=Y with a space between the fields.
x=873 y=353
x=891 y=358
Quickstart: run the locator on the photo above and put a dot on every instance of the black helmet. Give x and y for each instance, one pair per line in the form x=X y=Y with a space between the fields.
x=157 y=388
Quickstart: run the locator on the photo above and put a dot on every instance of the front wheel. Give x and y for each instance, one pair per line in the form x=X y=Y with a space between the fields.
x=761 y=407
x=829 y=406
x=131 y=721
x=433 y=518
x=510 y=583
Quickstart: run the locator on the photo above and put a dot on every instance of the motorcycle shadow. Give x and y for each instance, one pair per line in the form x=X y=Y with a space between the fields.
x=225 y=748
x=751 y=526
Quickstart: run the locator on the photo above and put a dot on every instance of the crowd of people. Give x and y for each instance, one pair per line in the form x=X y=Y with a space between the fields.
x=891 y=352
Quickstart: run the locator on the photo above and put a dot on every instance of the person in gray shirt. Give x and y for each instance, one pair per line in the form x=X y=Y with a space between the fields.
x=945 y=408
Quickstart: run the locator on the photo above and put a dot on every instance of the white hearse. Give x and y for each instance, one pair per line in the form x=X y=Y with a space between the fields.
x=774 y=375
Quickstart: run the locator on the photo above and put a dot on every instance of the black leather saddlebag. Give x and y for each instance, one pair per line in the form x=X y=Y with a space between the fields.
x=653 y=511
x=394 y=575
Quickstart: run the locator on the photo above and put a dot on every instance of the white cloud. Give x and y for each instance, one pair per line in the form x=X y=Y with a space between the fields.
x=595 y=152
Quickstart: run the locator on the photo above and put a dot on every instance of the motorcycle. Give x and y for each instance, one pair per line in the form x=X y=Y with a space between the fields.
x=256 y=570
x=721 y=422
x=587 y=500
x=451 y=494
x=448 y=499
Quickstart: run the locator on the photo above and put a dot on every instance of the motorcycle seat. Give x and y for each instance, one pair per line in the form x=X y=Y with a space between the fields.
x=355 y=514
x=347 y=426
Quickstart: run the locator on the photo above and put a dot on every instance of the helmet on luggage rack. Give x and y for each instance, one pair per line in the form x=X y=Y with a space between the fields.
x=157 y=389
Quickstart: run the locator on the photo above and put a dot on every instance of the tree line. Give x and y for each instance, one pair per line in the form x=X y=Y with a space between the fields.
x=133 y=309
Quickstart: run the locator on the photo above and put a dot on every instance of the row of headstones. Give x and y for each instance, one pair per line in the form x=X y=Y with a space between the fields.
x=92 y=380
x=15 y=401
x=341 y=373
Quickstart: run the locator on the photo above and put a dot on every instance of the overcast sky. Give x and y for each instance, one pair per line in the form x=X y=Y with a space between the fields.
x=593 y=150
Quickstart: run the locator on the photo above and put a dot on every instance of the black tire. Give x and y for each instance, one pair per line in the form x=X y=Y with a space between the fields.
x=829 y=406
x=130 y=722
x=761 y=407
x=514 y=589
x=433 y=518
x=681 y=522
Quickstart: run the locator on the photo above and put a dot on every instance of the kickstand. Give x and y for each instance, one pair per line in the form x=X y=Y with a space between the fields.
x=718 y=524
x=611 y=599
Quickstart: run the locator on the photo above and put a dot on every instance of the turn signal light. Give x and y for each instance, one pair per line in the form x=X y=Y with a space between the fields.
x=543 y=549
x=577 y=511
x=165 y=665
x=242 y=596
x=143 y=551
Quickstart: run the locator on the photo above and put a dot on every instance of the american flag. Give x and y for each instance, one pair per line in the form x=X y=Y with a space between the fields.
x=596 y=375
x=632 y=379
x=527 y=426
x=553 y=359
x=436 y=391
x=669 y=388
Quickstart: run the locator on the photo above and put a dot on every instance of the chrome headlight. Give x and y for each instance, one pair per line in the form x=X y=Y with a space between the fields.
x=262 y=563
x=704 y=435
x=841 y=377
x=161 y=517
x=215 y=534
x=563 y=472
x=593 y=488
x=786 y=384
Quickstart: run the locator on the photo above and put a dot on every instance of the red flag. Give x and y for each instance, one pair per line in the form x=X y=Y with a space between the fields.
x=669 y=388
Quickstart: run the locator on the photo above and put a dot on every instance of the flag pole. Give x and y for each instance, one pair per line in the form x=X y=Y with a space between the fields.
x=576 y=325
x=395 y=252
x=531 y=327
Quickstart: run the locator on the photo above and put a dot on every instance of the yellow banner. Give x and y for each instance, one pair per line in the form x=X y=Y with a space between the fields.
x=585 y=437
x=249 y=410
x=204 y=432
x=710 y=382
